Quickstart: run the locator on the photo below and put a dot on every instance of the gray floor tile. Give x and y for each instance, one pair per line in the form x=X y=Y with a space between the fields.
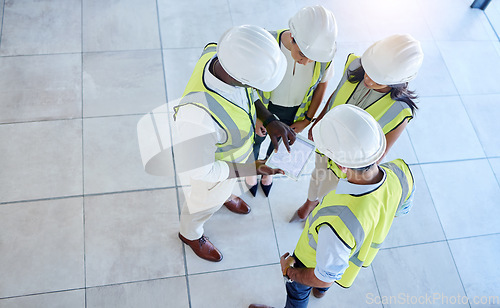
x=422 y=224
x=40 y=160
x=141 y=237
x=179 y=65
x=433 y=78
x=460 y=23
x=42 y=247
x=239 y=238
x=479 y=274
x=483 y=111
x=495 y=165
x=239 y=288
x=1 y=12
x=184 y=27
x=250 y=12
x=442 y=131
x=392 y=19
x=112 y=159
x=170 y=292
x=41 y=27
x=423 y=274
x=40 y=88
x=493 y=13
x=74 y=299
x=362 y=293
x=463 y=198
x=120 y=25
x=285 y=198
x=464 y=59
x=359 y=27
x=402 y=148
x=117 y=83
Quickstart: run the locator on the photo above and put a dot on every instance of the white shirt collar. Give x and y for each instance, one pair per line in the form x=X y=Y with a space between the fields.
x=347 y=188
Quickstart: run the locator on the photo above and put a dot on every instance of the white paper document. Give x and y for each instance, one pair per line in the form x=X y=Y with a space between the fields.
x=292 y=163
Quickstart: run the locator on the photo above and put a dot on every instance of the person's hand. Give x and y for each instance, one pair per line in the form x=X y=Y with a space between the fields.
x=277 y=129
x=299 y=126
x=263 y=169
x=310 y=132
x=260 y=129
x=286 y=261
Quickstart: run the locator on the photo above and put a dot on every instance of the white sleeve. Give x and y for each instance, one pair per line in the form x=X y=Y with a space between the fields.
x=328 y=73
x=332 y=256
x=255 y=96
x=197 y=134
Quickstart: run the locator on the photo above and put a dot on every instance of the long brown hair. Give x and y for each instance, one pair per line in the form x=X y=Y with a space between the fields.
x=399 y=92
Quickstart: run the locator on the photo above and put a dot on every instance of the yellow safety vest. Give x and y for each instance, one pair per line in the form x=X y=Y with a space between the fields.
x=388 y=112
x=238 y=124
x=319 y=71
x=361 y=222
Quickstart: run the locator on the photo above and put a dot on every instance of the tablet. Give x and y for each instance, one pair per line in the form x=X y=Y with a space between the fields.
x=292 y=163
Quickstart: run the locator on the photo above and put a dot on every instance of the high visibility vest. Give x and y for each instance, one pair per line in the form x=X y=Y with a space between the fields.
x=360 y=221
x=238 y=124
x=318 y=72
x=389 y=113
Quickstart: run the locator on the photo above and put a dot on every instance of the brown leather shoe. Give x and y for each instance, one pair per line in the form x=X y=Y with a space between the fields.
x=237 y=205
x=259 y=306
x=304 y=211
x=203 y=248
x=317 y=293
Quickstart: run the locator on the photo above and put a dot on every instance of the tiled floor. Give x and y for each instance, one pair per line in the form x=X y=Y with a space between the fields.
x=82 y=224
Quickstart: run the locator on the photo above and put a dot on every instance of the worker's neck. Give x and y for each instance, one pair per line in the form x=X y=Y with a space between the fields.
x=371 y=176
x=218 y=71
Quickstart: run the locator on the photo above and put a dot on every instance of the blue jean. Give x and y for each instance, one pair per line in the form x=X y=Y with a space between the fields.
x=297 y=293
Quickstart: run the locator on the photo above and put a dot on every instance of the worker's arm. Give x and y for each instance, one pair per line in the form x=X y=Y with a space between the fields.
x=304 y=276
x=257 y=167
x=321 y=115
x=318 y=94
x=274 y=127
x=332 y=259
x=392 y=136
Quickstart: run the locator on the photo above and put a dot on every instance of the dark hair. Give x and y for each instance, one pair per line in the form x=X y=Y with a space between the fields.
x=399 y=92
x=363 y=169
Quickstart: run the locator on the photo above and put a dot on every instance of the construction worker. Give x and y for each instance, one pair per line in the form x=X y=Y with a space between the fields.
x=377 y=82
x=345 y=231
x=216 y=120
x=309 y=46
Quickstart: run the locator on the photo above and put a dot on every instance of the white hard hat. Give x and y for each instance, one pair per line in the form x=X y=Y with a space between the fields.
x=393 y=60
x=315 y=30
x=251 y=55
x=350 y=137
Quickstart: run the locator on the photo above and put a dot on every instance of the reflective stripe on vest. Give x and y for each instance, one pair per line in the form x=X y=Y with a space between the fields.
x=406 y=188
x=318 y=72
x=362 y=222
x=234 y=120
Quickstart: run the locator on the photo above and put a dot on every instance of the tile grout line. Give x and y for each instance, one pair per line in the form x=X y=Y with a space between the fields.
x=473 y=126
x=491 y=25
x=83 y=161
x=376 y=283
x=456 y=268
x=1 y=25
x=186 y=275
x=453 y=161
x=87 y=195
x=41 y=293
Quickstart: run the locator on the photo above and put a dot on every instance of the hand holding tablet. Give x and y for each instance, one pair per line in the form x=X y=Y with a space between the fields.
x=292 y=163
